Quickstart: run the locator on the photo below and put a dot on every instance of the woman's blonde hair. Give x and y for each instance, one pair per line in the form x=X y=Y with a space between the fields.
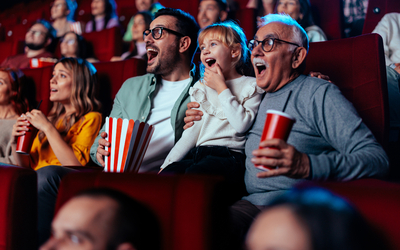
x=83 y=94
x=231 y=35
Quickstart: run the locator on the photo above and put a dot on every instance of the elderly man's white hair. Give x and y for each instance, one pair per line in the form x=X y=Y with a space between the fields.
x=299 y=34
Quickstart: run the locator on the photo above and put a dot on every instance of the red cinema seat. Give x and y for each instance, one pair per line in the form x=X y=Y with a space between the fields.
x=41 y=78
x=111 y=76
x=10 y=48
x=328 y=16
x=188 y=207
x=106 y=43
x=378 y=201
x=18 y=208
x=16 y=32
x=376 y=10
x=246 y=18
x=357 y=66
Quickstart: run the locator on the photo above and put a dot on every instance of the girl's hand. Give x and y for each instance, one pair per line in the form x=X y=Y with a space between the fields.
x=38 y=120
x=215 y=80
x=19 y=128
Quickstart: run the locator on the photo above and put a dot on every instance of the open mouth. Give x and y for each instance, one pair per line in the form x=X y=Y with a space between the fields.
x=53 y=90
x=151 y=54
x=260 y=67
x=210 y=62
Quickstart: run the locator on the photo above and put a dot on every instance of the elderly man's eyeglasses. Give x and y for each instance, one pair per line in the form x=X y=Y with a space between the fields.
x=267 y=44
x=157 y=32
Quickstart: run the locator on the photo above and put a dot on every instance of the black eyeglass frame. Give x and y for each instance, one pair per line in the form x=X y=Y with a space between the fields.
x=251 y=45
x=148 y=31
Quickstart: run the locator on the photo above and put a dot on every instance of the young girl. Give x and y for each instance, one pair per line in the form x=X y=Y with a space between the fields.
x=229 y=102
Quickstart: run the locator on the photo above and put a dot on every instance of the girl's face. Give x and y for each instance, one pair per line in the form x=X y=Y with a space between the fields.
x=214 y=51
x=98 y=7
x=61 y=84
x=69 y=45
x=290 y=7
x=59 y=9
x=139 y=25
x=5 y=88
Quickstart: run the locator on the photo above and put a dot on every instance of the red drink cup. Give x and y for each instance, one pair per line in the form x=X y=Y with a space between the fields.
x=25 y=141
x=277 y=126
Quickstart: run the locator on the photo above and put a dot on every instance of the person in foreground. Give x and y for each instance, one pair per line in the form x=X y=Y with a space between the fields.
x=329 y=141
x=104 y=219
x=312 y=219
x=161 y=95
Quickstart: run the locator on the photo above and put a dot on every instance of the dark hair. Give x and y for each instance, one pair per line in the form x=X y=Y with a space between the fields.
x=111 y=12
x=18 y=85
x=72 y=6
x=82 y=45
x=134 y=222
x=186 y=25
x=51 y=32
x=222 y=5
x=333 y=223
x=148 y=18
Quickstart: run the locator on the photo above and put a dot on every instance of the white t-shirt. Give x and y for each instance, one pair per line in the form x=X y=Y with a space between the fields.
x=162 y=141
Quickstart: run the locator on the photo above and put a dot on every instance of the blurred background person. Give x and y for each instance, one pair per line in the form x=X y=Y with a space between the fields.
x=74 y=45
x=104 y=15
x=62 y=14
x=212 y=11
x=263 y=7
x=354 y=12
x=141 y=22
x=141 y=5
x=13 y=103
x=300 y=10
x=312 y=219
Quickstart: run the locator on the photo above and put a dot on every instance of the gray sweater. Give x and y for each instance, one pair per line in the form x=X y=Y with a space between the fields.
x=328 y=129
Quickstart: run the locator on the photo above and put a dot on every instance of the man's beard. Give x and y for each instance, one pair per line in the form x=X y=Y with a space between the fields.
x=32 y=46
x=165 y=67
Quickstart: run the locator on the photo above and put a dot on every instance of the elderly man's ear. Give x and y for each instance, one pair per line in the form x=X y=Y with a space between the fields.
x=299 y=56
x=125 y=246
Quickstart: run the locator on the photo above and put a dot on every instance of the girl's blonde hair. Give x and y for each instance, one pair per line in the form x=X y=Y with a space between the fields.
x=83 y=94
x=231 y=35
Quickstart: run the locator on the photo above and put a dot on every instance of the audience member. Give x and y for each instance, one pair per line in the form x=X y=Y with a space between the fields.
x=104 y=15
x=211 y=11
x=389 y=29
x=151 y=6
x=13 y=103
x=300 y=10
x=38 y=38
x=229 y=101
x=62 y=12
x=141 y=23
x=104 y=219
x=74 y=45
x=312 y=219
x=329 y=141
x=161 y=95
x=65 y=136
x=263 y=7
x=354 y=15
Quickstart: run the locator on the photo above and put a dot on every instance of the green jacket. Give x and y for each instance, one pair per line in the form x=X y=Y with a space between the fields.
x=133 y=101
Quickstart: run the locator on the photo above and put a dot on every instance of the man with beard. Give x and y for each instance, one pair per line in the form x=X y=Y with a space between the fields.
x=159 y=97
x=37 y=40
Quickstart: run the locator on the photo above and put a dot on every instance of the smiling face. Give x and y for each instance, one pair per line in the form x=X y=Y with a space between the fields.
x=290 y=7
x=61 y=84
x=83 y=224
x=209 y=13
x=163 y=53
x=139 y=25
x=273 y=69
x=98 y=7
x=69 y=45
x=59 y=9
x=5 y=88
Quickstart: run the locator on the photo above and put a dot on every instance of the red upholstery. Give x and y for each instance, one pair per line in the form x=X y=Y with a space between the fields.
x=106 y=43
x=41 y=78
x=185 y=205
x=247 y=21
x=111 y=76
x=376 y=10
x=18 y=208
x=328 y=15
x=16 y=32
x=357 y=66
x=378 y=201
x=9 y=48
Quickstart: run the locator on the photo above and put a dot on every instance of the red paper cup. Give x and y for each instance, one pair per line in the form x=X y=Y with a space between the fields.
x=277 y=126
x=25 y=141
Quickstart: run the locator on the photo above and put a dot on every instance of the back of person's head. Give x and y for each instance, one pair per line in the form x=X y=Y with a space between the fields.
x=133 y=222
x=331 y=222
x=232 y=36
x=186 y=25
x=19 y=91
x=72 y=6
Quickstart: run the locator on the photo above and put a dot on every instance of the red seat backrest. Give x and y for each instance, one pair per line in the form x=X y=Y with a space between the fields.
x=106 y=43
x=246 y=18
x=16 y=32
x=185 y=205
x=9 y=48
x=328 y=16
x=357 y=66
x=18 y=208
x=376 y=10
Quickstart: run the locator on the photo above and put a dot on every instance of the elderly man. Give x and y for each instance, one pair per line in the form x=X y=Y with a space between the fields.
x=38 y=38
x=104 y=219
